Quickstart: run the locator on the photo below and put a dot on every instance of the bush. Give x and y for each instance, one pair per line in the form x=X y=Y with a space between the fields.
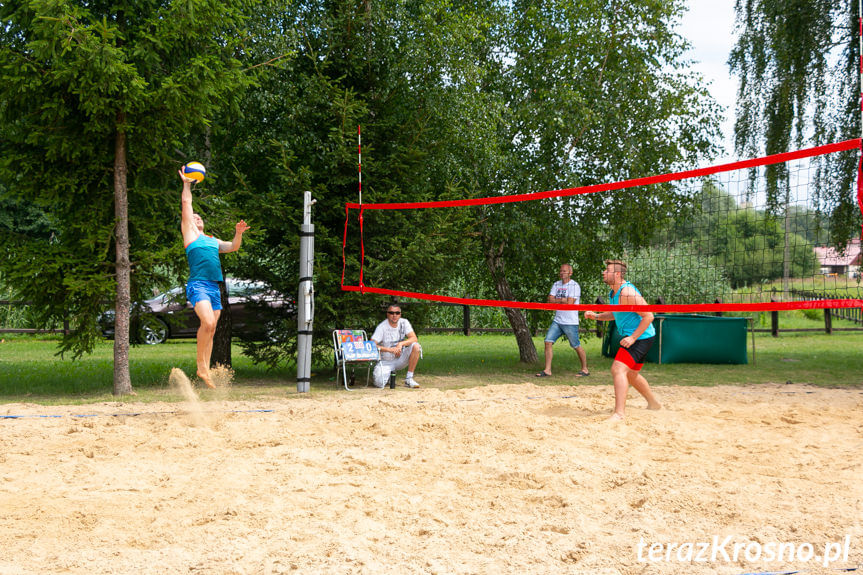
x=14 y=316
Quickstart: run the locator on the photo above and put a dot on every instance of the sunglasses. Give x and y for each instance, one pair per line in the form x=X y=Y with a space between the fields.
x=394 y=313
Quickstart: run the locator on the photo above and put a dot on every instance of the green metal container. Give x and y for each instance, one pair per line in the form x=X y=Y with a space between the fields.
x=684 y=338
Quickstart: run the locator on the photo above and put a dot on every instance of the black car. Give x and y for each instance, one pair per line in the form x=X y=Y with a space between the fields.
x=169 y=315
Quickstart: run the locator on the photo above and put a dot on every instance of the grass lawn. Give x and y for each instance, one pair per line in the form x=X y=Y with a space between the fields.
x=842 y=286
x=31 y=372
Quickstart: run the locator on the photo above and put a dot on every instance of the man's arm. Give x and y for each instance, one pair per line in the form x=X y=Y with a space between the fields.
x=378 y=338
x=603 y=316
x=381 y=347
x=411 y=338
x=396 y=351
x=566 y=300
x=187 y=224
x=631 y=297
x=234 y=245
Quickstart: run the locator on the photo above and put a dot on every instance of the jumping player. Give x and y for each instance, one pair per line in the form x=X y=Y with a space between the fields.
x=205 y=271
x=638 y=336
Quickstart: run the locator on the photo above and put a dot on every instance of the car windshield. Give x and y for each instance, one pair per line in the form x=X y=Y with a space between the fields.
x=174 y=294
x=242 y=288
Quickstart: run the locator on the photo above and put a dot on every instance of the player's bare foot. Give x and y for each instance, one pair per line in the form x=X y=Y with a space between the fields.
x=653 y=406
x=205 y=377
x=616 y=417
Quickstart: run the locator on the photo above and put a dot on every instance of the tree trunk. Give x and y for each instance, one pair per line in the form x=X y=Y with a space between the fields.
x=526 y=349
x=222 y=337
x=122 y=303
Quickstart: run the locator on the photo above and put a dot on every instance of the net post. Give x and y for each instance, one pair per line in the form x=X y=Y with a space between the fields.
x=774 y=321
x=752 y=333
x=828 y=321
x=660 y=301
x=661 y=320
x=466 y=319
x=599 y=330
x=305 y=300
x=718 y=301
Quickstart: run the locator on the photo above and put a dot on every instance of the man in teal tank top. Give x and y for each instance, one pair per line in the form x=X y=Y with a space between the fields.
x=638 y=333
x=205 y=273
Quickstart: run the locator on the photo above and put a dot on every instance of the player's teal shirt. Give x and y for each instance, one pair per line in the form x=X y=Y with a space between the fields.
x=203 y=256
x=627 y=321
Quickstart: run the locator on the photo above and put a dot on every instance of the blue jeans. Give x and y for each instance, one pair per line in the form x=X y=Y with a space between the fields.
x=556 y=330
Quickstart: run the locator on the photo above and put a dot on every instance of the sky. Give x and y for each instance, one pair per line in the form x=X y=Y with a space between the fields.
x=709 y=27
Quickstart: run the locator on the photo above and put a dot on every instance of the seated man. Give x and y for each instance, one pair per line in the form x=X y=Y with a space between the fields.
x=398 y=344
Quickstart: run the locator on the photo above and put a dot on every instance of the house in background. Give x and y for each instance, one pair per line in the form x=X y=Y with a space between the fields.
x=840 y=262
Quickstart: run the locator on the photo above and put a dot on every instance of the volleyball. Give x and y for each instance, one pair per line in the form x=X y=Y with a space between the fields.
x=195 y=170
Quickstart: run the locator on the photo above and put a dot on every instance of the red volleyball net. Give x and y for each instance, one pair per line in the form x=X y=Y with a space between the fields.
x=738 y=242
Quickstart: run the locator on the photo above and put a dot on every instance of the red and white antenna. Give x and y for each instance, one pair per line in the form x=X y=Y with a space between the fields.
x=860 y=162
x=360 y=175
x=360 y=159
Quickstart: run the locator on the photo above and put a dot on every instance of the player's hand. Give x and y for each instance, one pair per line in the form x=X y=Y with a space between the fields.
x=241 y=227
x=185 y=178
x=590 y=315
x=627 y=341
x=397 y=351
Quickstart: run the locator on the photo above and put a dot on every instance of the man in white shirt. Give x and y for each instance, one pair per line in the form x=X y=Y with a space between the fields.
x=565 y=322
x=398 y=344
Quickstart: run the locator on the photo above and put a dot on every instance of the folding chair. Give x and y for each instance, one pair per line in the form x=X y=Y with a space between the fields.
x=352 y=346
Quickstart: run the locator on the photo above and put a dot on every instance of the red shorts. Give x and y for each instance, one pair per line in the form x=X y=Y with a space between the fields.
x=634 y=356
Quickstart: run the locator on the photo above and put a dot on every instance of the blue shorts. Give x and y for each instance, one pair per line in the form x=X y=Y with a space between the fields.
x=204 y=290
x=556 y=330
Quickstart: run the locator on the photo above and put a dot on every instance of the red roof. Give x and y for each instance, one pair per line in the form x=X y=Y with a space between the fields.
x=850 y=256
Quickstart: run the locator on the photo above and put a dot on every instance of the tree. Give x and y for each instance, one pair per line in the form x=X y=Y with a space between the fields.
x=97 y=102
x=750 y=246
x=735 y=242
x=792 y=90
x=457 y=100
x=593 y=92
x=404 y=72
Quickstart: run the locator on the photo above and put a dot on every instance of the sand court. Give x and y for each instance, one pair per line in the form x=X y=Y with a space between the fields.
x=493 y=479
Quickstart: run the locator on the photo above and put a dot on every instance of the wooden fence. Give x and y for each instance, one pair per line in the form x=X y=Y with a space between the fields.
x=854 y=314
x=13 y=303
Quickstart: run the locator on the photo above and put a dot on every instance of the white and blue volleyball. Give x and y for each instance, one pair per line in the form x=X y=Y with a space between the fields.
x=195 y=170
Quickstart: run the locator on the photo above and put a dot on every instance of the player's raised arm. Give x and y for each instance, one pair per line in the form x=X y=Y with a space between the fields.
x=187 y=222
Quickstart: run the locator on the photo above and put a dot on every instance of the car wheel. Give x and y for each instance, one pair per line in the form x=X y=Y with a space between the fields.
x=151 y=330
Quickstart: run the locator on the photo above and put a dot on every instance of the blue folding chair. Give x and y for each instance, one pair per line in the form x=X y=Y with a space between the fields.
x=353 y=347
